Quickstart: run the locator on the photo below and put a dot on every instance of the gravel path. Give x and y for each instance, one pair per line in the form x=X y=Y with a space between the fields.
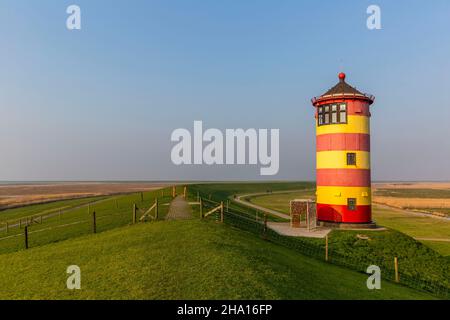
x=179 y=209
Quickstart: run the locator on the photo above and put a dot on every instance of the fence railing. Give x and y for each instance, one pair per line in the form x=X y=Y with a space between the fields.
x=244 y=221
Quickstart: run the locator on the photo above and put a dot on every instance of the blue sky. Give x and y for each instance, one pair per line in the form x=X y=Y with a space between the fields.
x=101 y=103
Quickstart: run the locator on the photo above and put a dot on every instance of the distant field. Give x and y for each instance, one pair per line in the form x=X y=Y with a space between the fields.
x=182 y=260
x=12 y=195
x=427 y=197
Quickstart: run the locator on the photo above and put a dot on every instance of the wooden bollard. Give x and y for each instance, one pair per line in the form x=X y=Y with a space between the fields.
x=326 y=248
x=221 y=211
x=26 y=237
x=94 y=223
x=134 y=213
x=397 y=278
x=156 y=208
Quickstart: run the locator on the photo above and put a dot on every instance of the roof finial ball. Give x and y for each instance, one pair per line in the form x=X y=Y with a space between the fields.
x=341 y=77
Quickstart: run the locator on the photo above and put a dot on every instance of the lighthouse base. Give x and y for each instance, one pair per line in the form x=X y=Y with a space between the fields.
x=347 y=226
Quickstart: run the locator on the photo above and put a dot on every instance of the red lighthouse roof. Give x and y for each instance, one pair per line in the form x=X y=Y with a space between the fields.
x=343 y=90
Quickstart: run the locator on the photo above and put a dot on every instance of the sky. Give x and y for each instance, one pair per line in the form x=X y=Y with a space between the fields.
x=101 y=103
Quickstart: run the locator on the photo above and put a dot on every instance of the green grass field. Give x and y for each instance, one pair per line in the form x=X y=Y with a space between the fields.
x=193 y=259
x=181 y=260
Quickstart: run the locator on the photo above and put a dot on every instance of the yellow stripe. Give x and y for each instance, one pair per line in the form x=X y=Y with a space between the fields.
x=338 y=160
x=339 y=195
x=355 y=124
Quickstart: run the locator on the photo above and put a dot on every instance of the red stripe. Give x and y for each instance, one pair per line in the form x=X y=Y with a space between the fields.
x=343 y=141
x=338 y=213
x=343 y=177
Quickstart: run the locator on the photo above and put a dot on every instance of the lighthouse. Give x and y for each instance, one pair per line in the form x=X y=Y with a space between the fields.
x=343 y=192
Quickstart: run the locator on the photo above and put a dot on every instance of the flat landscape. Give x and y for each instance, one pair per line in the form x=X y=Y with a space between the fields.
x=13 y=195
x=150 y=245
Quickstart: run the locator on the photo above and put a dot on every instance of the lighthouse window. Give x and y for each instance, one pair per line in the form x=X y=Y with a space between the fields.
x=332 y=114
x=351 y=204
x=351 y=159
x=343 y=113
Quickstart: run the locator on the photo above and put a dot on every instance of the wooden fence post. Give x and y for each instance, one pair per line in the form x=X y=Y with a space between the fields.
x=26 y=237
x=185 y=192
x=221 y=211
x=397 y=278
x=156 y=208
x=174 y=192
x=134 y=213
x=326 y=248
x=201 y=208
x=94 y=223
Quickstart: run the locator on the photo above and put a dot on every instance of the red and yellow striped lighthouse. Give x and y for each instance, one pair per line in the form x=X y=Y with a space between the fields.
x=343 y=155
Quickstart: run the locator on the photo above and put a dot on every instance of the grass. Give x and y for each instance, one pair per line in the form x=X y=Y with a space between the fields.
x=416 y=226
x=413 y=225
x=417 y=259
x=112 y=212
x=181 y=260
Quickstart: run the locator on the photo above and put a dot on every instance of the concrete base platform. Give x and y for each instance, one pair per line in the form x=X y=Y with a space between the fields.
x=349 y=226
x=285 y=229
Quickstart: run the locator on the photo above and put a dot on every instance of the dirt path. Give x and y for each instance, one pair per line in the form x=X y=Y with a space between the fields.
x=254 y=206
x=179 y=209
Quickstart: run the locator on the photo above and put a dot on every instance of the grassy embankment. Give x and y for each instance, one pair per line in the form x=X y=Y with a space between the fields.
x=181 y=260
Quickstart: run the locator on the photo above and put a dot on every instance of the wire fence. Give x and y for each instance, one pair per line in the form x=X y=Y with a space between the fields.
x=94 y=217
x=243 y=220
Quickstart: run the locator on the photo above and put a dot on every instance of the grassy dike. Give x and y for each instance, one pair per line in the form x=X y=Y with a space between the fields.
x=181 y=260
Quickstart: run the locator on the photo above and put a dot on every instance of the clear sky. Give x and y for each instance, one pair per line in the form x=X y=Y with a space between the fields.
x=102 y=102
